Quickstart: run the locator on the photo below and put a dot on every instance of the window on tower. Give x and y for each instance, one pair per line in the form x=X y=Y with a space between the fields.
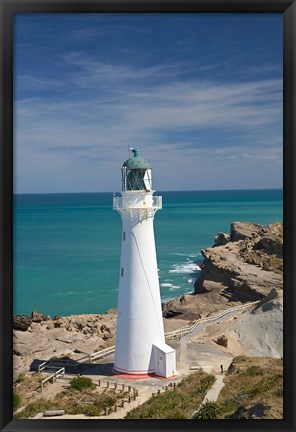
x=121 y=271
x=136 y=179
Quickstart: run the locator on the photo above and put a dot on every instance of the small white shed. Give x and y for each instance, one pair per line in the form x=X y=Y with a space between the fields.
x=164 y=360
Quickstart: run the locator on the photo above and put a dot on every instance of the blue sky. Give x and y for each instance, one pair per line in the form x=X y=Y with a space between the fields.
x=199 y=94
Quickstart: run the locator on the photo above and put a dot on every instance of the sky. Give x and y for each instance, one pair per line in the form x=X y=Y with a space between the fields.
x=199 y=94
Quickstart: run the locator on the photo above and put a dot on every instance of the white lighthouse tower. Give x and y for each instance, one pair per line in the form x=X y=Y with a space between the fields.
x=140 y=344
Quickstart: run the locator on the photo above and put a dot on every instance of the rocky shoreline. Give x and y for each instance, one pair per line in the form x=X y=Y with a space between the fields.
x=242 y=266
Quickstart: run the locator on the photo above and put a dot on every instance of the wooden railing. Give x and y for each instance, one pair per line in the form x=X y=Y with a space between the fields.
x=176 y=334
x=97 y=355
x=186 y=330
x=53 y=377
x=43 y=366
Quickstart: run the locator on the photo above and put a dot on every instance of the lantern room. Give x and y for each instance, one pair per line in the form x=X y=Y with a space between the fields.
x=136 y=173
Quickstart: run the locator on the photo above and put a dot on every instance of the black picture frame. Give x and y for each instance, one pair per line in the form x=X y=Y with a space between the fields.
x=7 y=10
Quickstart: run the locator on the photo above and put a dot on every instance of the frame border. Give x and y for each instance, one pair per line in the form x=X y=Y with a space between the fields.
x=7 y=10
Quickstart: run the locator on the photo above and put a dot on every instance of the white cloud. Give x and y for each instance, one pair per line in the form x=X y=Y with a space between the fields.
x=104 y=108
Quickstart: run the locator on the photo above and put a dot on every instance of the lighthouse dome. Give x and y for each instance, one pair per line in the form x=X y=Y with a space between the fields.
x=136 y=173
x=136 y=161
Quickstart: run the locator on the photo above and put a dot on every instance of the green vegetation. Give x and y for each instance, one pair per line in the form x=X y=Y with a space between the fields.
x=254 y=370
x=16 y=401
x=210 y=410
x=176 y=404
x=90 y=400
x=253 y=389
x=33 y=408
x=81 y=383
x=89 y=403
x=20 y=378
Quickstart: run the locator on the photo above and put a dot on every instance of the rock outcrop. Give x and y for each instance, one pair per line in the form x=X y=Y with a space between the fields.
x=257 y=332
x=38 y=337
x=21 y=322
x=247 y=264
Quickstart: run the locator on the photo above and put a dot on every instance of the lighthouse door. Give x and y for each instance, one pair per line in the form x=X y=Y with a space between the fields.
x=159 y=365
x=160 y=362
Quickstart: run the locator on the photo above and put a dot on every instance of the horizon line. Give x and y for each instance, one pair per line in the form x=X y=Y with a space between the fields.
x=159 y=191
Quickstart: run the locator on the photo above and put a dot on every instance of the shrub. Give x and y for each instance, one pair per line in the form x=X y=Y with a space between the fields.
x=92 y=410
x=210 y=410
x=16 y=401
x=81 y=383
x=20 y=378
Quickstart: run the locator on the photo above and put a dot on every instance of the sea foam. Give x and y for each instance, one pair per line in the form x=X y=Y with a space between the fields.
x=188 y=267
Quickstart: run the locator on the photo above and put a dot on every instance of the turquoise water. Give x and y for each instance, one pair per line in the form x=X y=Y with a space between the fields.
x=67 y=246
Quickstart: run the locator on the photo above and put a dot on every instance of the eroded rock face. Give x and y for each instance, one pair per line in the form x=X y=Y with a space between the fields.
x=247 y=267
x=245 y=230
x=221 y=239
x=21 y=322
x=37 y=316
x=45 y=338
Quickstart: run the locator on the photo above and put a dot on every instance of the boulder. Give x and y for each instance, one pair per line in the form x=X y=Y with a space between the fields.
x=221 y=239
x=37 y=317
x=21 y=322
x=58 y=323
x=245 y=230
x=222 y=340
x=79 y=323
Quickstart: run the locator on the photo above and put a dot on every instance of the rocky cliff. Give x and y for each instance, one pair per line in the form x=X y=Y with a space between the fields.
x=246 y=264
x=243 y=265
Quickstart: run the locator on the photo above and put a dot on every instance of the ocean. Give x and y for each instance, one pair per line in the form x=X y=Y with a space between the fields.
x=67 y=246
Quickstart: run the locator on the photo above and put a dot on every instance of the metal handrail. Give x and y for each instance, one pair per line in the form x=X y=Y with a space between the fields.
x=119 y=203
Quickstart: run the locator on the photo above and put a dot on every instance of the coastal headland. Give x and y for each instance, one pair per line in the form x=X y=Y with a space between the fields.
x=243 y=266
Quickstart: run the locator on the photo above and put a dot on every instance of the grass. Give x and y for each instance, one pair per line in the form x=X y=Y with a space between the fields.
x=178 y=404
x=16 y=401
x=78 y=399
x=253 y=389
x=20 y=378
x=27 y=387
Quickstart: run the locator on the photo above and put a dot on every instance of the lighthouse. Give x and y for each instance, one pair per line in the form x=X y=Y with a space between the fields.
x=140 y=343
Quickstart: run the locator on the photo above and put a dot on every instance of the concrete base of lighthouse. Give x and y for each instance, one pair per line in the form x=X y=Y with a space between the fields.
x=164 y=359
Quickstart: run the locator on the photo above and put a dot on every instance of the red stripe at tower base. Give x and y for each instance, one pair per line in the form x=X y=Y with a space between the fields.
x=136 y=375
